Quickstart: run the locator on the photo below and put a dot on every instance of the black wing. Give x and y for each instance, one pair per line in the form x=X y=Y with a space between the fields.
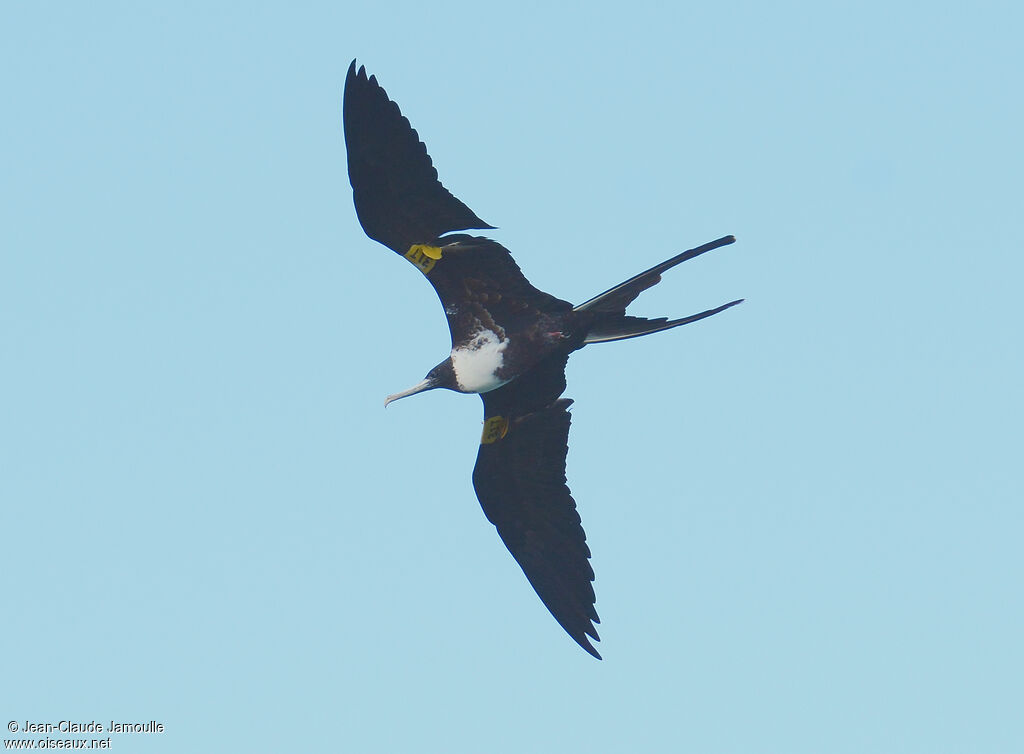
x=479 y=282
x=398 y=198
x=520 y=481
x=401 y=203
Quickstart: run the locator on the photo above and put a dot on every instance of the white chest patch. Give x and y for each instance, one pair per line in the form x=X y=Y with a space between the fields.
x=476 y=362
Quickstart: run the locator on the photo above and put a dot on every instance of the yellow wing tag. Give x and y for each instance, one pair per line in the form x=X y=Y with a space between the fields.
x=495 y=428
x=423 y=256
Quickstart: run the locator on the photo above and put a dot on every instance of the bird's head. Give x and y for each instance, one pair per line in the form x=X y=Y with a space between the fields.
x=443 y=375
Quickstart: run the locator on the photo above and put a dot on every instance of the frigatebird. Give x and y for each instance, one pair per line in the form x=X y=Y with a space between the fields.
x=510 y=344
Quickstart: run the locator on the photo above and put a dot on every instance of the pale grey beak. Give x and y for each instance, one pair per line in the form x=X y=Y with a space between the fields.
x=427 y=384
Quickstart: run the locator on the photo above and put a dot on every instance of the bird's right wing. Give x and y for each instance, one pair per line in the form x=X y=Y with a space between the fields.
x=520 y=482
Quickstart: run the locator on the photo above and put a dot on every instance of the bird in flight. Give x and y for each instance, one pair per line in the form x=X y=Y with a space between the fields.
x=510 y=344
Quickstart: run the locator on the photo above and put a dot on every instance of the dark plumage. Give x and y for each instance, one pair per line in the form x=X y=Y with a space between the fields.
x=510 y=343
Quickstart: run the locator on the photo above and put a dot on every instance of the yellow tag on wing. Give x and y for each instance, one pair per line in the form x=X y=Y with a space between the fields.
x=494 y=429
x=423 y=256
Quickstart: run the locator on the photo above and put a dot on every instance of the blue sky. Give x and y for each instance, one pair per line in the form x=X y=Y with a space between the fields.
x=805 y=512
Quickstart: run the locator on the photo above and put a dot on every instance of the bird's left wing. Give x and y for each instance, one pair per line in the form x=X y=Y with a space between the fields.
x=401 y=203
x=520 y=481
x=399 y=199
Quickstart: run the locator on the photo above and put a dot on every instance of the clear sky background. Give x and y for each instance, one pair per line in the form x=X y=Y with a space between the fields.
x=805 y=513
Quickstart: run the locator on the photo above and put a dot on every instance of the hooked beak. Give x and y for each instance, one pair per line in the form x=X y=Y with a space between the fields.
x=427 y=384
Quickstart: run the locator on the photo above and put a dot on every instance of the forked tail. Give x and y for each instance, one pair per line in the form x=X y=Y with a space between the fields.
x=619 y=326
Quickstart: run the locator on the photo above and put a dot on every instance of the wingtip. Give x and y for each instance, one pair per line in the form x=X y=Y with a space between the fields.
x=352 y=77
x=588 y=633
x=590 y=650
x=353 y=71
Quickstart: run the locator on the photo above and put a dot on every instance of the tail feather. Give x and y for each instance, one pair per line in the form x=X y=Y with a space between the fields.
x=612 y=322
x=621 y=328
x=618 y=298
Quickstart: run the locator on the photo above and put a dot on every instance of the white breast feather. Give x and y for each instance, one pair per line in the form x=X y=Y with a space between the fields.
x=476 y=362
